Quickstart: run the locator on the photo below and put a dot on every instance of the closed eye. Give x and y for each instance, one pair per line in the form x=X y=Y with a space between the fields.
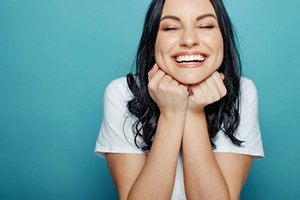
x=171 y=28
x=207 y=26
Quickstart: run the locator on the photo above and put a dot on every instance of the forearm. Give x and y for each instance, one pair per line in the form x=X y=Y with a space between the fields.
x=156 y=180
x=202 y=176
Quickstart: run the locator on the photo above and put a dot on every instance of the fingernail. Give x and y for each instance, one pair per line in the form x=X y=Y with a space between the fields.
x=222 y=76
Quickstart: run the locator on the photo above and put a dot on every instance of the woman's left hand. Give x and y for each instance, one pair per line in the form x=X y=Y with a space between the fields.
x=206 y=92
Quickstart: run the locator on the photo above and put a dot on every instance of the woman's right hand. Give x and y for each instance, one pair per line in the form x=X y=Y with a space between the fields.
x=169 y=94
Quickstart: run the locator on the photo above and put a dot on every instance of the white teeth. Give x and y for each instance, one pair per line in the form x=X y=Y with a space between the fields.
x=189 y=58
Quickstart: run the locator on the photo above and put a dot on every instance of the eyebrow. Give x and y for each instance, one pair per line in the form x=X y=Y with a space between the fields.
x=197 y=19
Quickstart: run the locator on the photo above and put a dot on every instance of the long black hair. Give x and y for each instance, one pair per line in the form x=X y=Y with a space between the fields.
x=221 y=115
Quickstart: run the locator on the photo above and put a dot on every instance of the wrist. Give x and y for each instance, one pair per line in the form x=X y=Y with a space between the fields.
x=195 y=124
x=198 y=112
x=171 y=114
x=195 y=115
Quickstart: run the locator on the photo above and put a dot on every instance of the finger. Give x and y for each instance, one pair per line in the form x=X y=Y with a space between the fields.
x=198 y=88
x=152 y=71
x=219 y=78
x=211 y=88
x=185 y=88
x=190 y=91
x=156 y=78
x=222 y=76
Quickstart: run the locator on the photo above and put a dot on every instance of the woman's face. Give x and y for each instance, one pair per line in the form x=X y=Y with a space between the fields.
x=189 y=44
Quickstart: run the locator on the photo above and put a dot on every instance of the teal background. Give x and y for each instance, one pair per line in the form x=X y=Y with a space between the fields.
x=56 y=57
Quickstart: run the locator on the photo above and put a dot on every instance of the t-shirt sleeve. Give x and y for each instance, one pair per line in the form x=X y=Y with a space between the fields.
x=248 y=129
x=116 y=135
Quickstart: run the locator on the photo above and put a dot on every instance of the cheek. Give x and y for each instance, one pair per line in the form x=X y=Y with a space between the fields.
x=165 y=43
x=157 y=47
x=214 y=41
x=157 y=53
x=221 y=50
x=220 y=47
x=159 y=59
x=161 y=52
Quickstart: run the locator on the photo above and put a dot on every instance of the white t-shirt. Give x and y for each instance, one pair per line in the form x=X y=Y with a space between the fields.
x=116 y=135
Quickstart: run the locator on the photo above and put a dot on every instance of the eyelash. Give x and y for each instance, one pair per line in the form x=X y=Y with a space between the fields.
x=170 y=28
x=176 y=28
x=207 y=27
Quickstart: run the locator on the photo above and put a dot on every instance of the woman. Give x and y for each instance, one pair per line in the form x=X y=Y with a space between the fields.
x=185 y=126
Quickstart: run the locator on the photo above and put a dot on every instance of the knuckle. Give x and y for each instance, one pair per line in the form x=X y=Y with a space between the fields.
x=224 y=92
x=161 y=87
x=210 y=99
x=183 y=91
x=218 y=97
x=215 y=74
x=151 y=85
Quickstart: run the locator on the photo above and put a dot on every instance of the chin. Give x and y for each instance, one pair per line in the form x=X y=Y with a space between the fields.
x=190 y=80
x=192 y=76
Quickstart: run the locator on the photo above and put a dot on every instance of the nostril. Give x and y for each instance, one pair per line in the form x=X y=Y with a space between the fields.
x=189 y=42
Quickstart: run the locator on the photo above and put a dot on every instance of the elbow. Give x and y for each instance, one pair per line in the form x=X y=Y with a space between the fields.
x=222 y=195
x=207 y=193
x=234 y=197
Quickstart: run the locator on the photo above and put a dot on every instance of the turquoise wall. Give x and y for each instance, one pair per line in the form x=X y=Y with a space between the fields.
x=56 y=57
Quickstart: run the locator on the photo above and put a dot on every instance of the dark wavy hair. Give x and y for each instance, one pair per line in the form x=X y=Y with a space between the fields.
x=221 y=115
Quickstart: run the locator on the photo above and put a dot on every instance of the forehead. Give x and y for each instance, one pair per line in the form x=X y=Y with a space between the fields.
x=187 y=7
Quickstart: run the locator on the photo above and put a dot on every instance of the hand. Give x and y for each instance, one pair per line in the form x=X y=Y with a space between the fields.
x=206 y=92
x=169 y=94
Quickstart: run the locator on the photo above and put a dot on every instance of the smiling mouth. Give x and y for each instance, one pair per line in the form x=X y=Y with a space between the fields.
x=190 y=58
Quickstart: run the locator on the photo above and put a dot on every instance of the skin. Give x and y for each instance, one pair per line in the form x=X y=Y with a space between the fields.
x=181 y=92
x=189 y=29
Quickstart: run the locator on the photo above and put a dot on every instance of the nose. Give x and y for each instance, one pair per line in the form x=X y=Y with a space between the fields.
x=189 y=39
